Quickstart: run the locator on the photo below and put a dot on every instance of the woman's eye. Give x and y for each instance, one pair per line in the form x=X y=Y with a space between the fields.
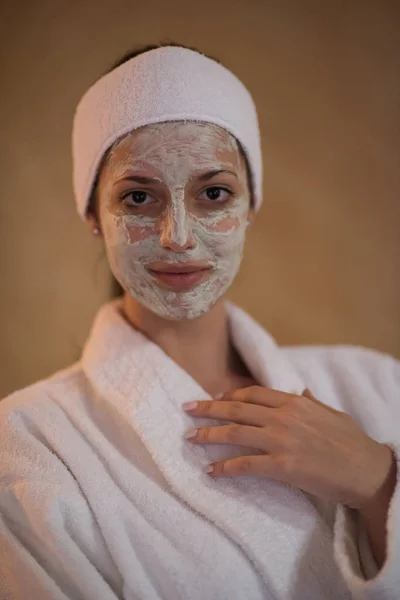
x=217 y=194
x=139 y=198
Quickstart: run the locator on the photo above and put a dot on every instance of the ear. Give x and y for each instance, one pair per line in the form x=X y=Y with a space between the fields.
x=251 y=215
x=93 y=224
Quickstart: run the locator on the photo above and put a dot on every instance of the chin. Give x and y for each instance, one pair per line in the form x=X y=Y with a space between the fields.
x=177 y=309
x=179 y=306
x=181 y=313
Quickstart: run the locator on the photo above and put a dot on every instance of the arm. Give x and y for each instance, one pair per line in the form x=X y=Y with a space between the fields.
x=46 y=546
x=50 y=546
x=355 y=547
x=367 y=541
x=374 y=516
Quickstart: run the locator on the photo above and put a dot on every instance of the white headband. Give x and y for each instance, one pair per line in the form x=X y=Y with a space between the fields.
x=166 y=84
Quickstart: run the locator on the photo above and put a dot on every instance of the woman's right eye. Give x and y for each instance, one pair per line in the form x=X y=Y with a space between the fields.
x=139 y=198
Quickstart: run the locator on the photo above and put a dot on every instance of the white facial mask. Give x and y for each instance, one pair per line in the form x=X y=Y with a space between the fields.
x=178 y=234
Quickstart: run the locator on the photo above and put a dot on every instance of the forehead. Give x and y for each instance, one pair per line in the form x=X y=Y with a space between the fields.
x=199 y=144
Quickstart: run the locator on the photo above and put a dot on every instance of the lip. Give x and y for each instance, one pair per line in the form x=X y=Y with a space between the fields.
x=180 y=276
x=178 y=267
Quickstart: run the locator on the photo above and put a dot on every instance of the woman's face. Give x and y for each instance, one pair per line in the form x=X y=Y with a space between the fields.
x=174 y=196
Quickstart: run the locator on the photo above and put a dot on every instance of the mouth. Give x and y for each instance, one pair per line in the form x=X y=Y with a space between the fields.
x=180 y=276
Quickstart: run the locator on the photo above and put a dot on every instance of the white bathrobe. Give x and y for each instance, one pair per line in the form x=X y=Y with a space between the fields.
x=101 y=497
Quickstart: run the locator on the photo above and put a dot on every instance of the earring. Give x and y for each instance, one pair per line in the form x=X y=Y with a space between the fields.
x=96 y=231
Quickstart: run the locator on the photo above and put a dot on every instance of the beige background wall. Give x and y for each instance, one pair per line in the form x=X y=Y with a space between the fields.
x=322 y=262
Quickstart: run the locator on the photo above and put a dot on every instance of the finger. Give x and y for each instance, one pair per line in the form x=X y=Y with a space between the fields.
x=236 y=412
x=258 y=466
x=235 y=435
x=308 y=394
x=259 y=395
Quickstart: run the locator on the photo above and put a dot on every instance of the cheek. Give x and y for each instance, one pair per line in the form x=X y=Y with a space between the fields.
x=225 y=229
x=138 y=234
x=224 y=238
x=225 y=225
x=127 y=230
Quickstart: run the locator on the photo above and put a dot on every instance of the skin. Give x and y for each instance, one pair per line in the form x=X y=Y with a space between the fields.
x=174 y=219
x=306 y=443
x=178 y=222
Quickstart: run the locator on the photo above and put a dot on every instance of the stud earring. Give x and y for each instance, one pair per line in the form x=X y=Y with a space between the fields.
x=96 y=231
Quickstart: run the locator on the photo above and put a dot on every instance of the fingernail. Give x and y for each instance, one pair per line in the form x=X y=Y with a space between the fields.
x=189 y=405
x=218 y=396
x=209 y=469
x=191 y=433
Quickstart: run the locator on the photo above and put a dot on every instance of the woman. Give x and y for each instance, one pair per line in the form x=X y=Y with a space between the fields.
x=102 y=495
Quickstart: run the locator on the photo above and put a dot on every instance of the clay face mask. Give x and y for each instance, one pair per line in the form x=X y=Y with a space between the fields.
x=177 y=218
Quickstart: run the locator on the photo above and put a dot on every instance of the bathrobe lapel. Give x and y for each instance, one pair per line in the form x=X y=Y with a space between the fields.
x=272 y=522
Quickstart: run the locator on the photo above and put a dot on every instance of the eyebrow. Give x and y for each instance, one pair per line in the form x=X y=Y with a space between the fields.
x=138 y=179
x=144 y=180
x=211 y=174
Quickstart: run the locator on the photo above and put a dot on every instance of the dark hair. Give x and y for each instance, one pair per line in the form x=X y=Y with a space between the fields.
x=142 y=49
x=92 y=208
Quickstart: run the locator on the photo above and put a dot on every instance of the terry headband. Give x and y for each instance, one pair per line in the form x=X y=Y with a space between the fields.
x=165 y=84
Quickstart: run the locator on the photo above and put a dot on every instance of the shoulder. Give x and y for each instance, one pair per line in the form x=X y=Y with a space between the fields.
x=361 y=381
x=340 y=362
x=39 y=395
x=30 y=419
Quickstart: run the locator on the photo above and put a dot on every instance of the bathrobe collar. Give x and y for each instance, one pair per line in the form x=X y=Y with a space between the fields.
x=122 y=361
x=149 y=388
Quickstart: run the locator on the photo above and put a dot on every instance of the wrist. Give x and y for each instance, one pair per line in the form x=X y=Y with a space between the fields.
x=384 y=489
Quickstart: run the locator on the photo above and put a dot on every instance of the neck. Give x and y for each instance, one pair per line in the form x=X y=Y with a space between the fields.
x=200 y=346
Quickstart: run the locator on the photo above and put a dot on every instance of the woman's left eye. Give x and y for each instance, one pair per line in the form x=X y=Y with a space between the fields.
x=217 y=194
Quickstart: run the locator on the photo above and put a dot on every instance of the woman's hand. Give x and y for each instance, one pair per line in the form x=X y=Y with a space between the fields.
x=306 y=444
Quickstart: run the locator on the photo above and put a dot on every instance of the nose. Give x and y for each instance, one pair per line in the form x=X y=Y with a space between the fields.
x=176 y=230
